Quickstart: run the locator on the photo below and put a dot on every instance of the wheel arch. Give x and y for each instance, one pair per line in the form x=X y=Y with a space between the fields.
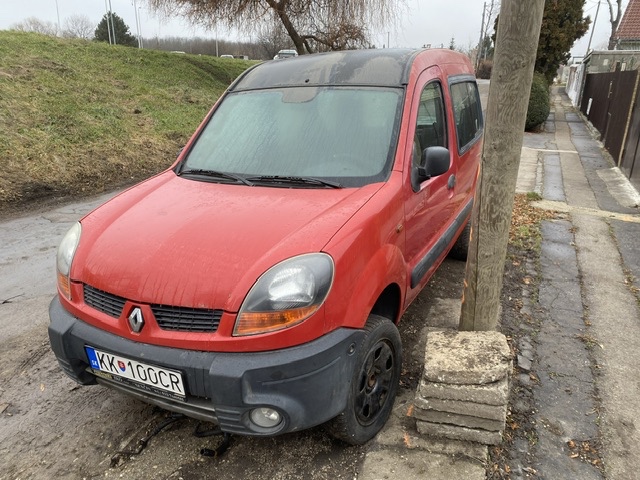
x=378 y=289
x=388 y=303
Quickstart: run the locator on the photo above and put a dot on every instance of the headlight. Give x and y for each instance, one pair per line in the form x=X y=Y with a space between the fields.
x=66 y=250
x=286 y=294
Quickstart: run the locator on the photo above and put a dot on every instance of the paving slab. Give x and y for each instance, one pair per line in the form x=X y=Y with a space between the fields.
x=626 y=235
x=459 y=433
x=466 y=358
x=496 y=393
x=493 y=412
x=391 y=464
x=468 y=421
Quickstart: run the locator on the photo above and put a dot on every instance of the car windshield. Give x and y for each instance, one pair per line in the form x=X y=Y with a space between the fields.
x=346 y=135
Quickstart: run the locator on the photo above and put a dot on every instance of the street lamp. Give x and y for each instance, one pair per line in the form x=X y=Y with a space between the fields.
x=106 y=8
x=135 y=12
x=113 y=29
x=140 y=27
x=58 y=13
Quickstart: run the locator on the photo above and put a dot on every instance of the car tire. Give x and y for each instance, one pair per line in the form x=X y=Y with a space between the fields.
x=374 y=384
x=460 y=249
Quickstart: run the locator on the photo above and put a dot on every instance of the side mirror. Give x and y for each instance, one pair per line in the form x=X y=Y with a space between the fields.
x=435 y=161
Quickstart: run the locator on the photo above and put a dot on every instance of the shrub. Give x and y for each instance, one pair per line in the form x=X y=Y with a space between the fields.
x=539 y=106
x=484 y=69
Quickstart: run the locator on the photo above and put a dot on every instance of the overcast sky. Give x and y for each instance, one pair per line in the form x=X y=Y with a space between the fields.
x=432 y=22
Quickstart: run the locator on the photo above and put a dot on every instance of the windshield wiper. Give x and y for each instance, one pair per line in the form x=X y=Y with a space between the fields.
x=291 y=180
x=216 y=174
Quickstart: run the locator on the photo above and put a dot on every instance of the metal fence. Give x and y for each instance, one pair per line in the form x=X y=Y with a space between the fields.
x=606 y=102
x=630 y=162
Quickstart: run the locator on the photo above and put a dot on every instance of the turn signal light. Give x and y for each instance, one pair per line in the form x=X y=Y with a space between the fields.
x=253 y=323
x=64 y=285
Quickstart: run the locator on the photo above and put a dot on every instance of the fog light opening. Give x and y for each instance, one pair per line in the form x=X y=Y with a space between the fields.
x=265 y=417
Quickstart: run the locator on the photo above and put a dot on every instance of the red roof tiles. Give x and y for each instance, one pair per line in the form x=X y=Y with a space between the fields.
x=629 y=28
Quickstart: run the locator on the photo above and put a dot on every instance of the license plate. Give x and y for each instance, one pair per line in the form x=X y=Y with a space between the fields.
x=142 y=376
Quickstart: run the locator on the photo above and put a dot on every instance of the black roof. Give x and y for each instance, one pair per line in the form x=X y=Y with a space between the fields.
x=381 y=67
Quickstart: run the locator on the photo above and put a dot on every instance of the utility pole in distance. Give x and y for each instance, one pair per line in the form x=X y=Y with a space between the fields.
x=513 y=62
x=482 y=34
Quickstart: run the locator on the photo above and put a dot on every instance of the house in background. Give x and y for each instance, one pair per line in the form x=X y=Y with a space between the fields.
x=628 y=32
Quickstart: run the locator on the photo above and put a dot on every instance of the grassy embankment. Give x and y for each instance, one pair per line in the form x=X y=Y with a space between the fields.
x=78 y=118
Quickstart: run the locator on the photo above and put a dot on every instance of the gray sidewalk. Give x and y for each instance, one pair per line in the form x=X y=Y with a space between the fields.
x=588 y=343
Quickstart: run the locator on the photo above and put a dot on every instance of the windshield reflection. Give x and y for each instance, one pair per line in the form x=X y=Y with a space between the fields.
x=341 y=134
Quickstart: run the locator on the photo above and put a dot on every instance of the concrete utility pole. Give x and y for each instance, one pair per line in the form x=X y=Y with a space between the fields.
x=593 y=29
x=482 y=34
x=513 y=62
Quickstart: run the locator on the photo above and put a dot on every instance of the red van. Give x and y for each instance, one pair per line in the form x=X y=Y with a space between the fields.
x=257 y=283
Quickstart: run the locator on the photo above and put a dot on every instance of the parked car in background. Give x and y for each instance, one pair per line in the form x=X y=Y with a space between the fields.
x=258 y=282
x=286 y=54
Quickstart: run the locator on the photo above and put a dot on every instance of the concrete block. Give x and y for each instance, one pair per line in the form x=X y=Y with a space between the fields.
x=400 y=433
x=468 y=421
x=491 y=412
x=418 y=464
x=440 y=430
x=496 y=393
x=466 y=358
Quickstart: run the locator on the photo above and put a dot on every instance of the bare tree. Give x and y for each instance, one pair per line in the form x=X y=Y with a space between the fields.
x=492 y=14
x=342 y=36
x=78 y=26
x=311 y=24
x=615 y=15
x=489 y=14
x=33 y=24
x=273 y=38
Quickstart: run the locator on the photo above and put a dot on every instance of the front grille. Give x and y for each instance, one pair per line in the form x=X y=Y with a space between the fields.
x=184 y=319
x=187 y=319
x=105 y=302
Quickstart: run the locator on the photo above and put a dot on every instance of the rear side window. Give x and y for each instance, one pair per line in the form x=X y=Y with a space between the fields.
x=468 y=114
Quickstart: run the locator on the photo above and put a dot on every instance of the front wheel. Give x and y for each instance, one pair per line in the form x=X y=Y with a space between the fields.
x=374 y=384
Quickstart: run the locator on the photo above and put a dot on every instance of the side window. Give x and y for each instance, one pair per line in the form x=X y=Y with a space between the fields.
x=430 y=124
x=468 y=113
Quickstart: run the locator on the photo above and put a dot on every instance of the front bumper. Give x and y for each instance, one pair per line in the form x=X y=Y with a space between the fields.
x=306 y=384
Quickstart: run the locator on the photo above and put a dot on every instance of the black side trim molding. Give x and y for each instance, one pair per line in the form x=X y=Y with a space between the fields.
x=423 y=266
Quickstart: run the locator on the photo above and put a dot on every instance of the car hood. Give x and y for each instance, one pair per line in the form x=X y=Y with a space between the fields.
x=176 y=241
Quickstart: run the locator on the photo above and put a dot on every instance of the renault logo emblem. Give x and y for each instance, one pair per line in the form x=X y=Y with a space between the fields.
x=136 y=321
